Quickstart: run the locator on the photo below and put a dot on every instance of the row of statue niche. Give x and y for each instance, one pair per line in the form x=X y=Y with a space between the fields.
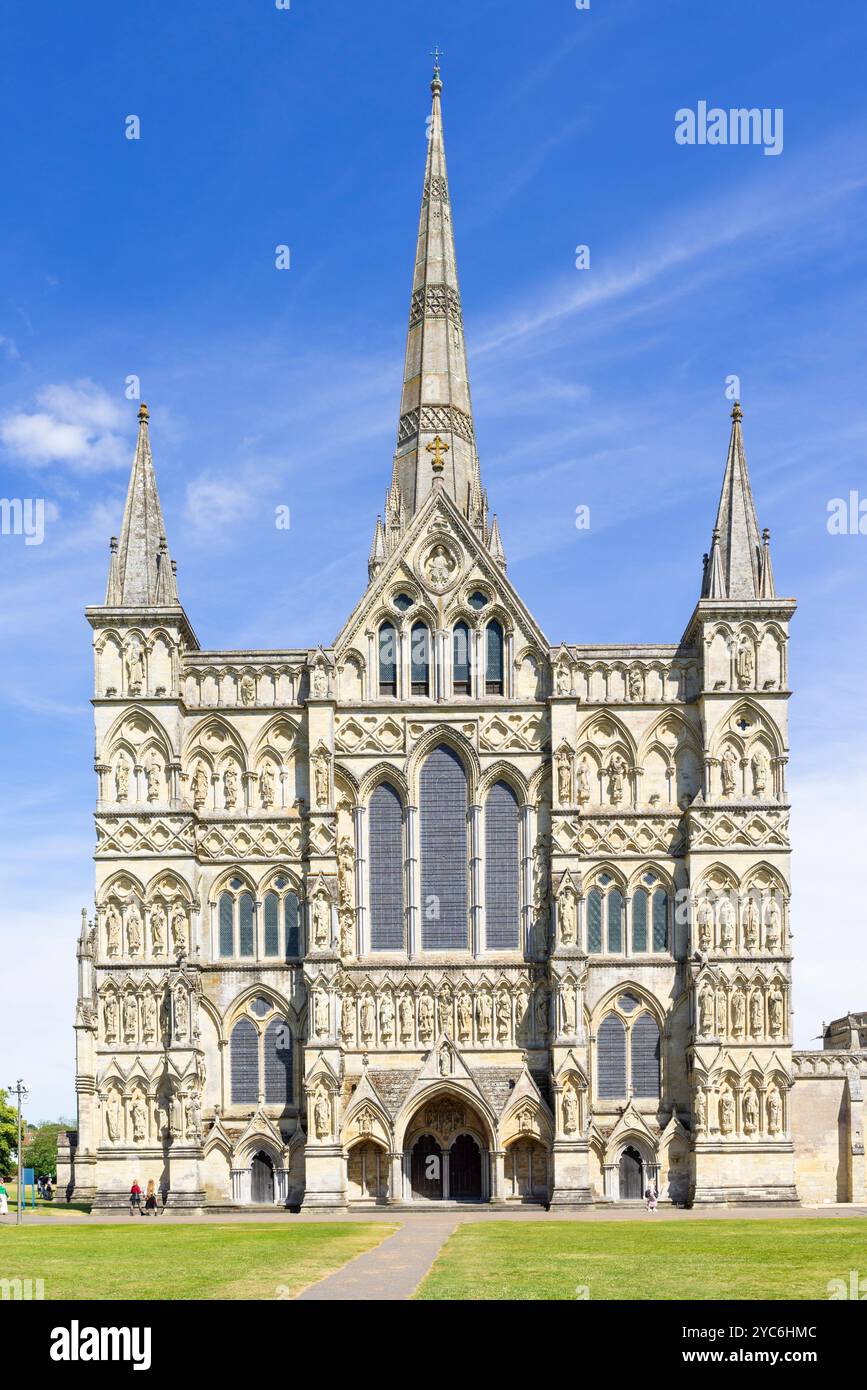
x=153 y=771
x=182 y=1113
x=490 y=1011
x=730 y=765
x=201 y=781
x=615 y=771
x=721 y=912
x=716 y=1010
x=634 y=681
x=132 y=1020
x=162 y=919
x=750 y=1112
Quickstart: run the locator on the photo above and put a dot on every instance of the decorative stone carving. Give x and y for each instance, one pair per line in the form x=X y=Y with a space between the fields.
x=153 y=779
x=751 y=924
x=138 y=1115
x=701 y=1113
x=751 y=1112
x=112 y=1116
x=738 y=1013
x=745 y=666
x=616 y=771
x=567 y=916
x=564 y=777
x=483 y=1016
x=726 y=924
x=582 y=794
x=230 y=786
x=320 y=683
x=425 y=1018
x=199 y=786
x=503 y=1015
x=149 y=1018
x=756 y=1014
x=129 y=1014
x=109 y=1015
x=465 y=1016
x=569 y=995
x=386 y=1018
x=726 y=1113
x=322 y=778
x=773 y=920
x=112 y=931
x=347 y=1021
x=321 y=1113
x=180 y=942
x=705 y=918
x=729 y=770
x=705 y=1013
x=182 y=1013
x=134 y=931
x=775 y=1112
x=570 y=1109
x=158 y=929
x=406 y=1018
x=121 y=779
x=563 y=679
x=759 y=766
x=321 y=916
x=266 y=785
x=135 y=672
x=248 y=689
x=775 y=1014
x=345 y=871
x=368 y=1017
x=320 y=1013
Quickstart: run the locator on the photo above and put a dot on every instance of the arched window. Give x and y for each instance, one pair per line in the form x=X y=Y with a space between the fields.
x=277 y=1048
x=245 y=925
x=419 y=655
x=611 y=1059
x=227 y=924
x=502 y=868
x=660 y=920
x=291 y=918
x=494 y=658
x=615 y=921
x=387 y=660
x=639 y=921
x=386 y=869
x=443 y=843
x=277 y=905
x=644 y=1047
x=244 y=1049
x=461 y=659
x=594 y=920
x=271 y=909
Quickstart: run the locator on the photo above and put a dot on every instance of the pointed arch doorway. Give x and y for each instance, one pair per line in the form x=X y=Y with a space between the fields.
x=447 y=1152
x=631 y=1175
x=262 y=1180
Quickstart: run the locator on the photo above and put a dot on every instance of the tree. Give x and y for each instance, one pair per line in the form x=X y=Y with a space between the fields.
x=8 y=1134
x=40 y=1151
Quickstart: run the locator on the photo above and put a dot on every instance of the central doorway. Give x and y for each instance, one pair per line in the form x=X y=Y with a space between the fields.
x=631 y=1175
x=465 y=1170
x=426 y=1169
x=262 y=1180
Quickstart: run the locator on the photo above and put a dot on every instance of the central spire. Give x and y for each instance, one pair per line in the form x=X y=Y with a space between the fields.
x=436 y=435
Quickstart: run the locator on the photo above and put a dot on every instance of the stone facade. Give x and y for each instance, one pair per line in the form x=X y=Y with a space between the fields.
x=612 y=1003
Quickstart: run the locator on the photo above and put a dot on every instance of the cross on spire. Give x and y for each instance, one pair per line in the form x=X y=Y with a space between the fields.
x=439 y=449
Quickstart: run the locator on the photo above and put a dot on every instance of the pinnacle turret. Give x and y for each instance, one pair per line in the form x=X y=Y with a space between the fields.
x=739 y=565
x=141 y=572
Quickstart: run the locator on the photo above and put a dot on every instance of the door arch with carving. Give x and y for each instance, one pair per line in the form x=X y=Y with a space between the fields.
x=426 y=1169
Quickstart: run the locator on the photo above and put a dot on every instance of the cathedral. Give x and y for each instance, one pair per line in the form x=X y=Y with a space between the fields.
x=439 y=912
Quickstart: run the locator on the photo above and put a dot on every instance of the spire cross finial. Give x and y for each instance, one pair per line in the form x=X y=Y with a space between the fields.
x=737 y=413
x=143 y=412
x=436 y=55
x=439 y=449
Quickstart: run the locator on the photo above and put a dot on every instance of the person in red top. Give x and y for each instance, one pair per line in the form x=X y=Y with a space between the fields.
x=135 y=1198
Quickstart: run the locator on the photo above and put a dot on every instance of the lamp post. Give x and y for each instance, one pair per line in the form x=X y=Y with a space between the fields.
x=19 y=1090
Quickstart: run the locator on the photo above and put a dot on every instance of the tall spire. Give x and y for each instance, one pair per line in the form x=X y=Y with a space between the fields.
x=141 y=571
x=739 y=566
x=436 y=436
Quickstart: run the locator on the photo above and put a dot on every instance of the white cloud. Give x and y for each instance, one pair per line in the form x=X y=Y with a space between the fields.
x=75 y=424
x=9 y=347
x=213 y=504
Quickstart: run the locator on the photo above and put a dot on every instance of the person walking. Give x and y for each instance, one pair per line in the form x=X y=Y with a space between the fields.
x=4 y=1199
x=151 y=1198
x=135 y=1199
x=650 y=1196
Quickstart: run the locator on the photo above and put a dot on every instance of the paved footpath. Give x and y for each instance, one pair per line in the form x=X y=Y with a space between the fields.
x=394 y=1270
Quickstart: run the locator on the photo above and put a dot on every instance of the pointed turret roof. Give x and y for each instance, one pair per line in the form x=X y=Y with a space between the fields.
x=141 y=571
x=739 y=566
x=436 y=434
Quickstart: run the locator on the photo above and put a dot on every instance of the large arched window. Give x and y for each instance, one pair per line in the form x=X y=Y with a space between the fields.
x=419 y=655
x=644 y=1048
x=236 y=918
x=226 y=912
x=280 y=913
x=611 y=1058
x=385 y=819
x=660 y=920
x=244 y=1049
x=639 y=920
x=260 y=1050
x=605 y=918
x=494 y=658
x=461 y=659
x=443 y=843
x=502 y=869
x=387 y=659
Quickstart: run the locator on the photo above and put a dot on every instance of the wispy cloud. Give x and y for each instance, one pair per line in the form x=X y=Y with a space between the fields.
x=75 y=424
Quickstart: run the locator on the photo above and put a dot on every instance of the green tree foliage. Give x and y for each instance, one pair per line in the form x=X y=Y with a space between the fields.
x=8 y=1134
x=40 y=1151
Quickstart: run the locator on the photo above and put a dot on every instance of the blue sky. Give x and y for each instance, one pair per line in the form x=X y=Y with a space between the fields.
x=603 y=387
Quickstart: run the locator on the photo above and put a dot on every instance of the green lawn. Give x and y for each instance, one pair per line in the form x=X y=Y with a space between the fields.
x=146 y=1259
x=639 y=1260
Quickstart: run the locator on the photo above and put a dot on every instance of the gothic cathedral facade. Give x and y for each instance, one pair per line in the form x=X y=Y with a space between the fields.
x=442 y=912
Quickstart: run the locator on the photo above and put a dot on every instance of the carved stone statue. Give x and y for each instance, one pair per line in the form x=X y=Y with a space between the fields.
x=503 y=1012
x=135 y=672
x=109 y=1014
x=179 y=929
x=345 y=870
x=726 y=1113
x=139 y=1118
x=775 y=1113
x=616 y=773
x=425 y=1018
x=570 y=1000
x=266 y=784
x=563 y=680
x=635 y=684
x=745 y=665
x=322 y=779
x=775 y=1014
x=773 y=922
x=347 y=1020
x=759 y=765
x=368 y=1017
x=542 y=1015
x=129 y=1013
x=444 y=1012
x=705 y=1014
x=153 y=779
x=705 y=917
x=564 y=777
x=322 y=1114
x=751 y=1112
x=321 y=921
x=121 y=779
x=721 y=1012
x=701 y=1112
x=738 y=1013
x=182 y=1013
x=133 y=931
x=230 y=786
x=112 y=1116
x=726 y=924
x=465 y=1016
x=248 y=689
x=200 y=786
x=386 y=1017
x=756 y=1014
x=439 y=567
x=320 y=1013
x=148 y=1018
x=158 y=929
x=320 y=682
x=729 y=770
x=751 y=924
x=570 y=1109
x=483 y=1016
x=567 y=916
x=582 y=794
x=112 y=931
x=405 y=1014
